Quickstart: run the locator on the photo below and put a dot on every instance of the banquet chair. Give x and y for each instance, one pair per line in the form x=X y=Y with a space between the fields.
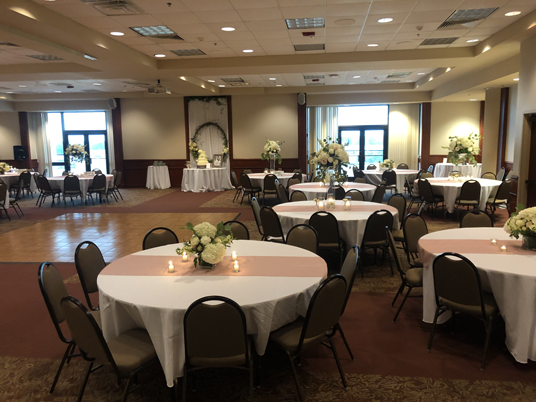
x=45 y=172
x=358 y=172
x=238 y=229
x=389 y=177
x=4 y=199
x=428 y=197
x=509 y=175
x=414 y=227
x=269 y=186
x=402 y=166
x=488 y=175
x=35 y=176
x=159 y=236
x=412 y=278
x=236 y=184
x=14 y=202
x=298 y=196
x=476 y=219
x=89 y=263
x=500 y=174
x=399 y=202
x=99 y=187
x=458 y=288
x=501 y=197
x=65 y=173
x=420 y=174
x=116 y=182
x=431 y=169
x=247 y=188
x=427 y=175
x=215 y=336
x=297 y=175
x=338 y=192
x=257 y=214
x=247 y=171
x=271 y=225
x=348 y=271
x=281 y=192
x=303 y=236
x=71 y=188
x=355 y=195
x=469 y=196
x=26 y=179
x=125 y=355
x=53 y=290
x=318 y=326
x=374 y=235
x=409 y=181
x=292 y=181
x=378 y=194
x=329 y=238
x=299 y=171
x=360 y=180
x=371 y=167
x=47 y=190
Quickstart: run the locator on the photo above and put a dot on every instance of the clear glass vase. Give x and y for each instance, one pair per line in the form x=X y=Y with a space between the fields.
x=202 y=264
x=529 y=243
x=272 y=162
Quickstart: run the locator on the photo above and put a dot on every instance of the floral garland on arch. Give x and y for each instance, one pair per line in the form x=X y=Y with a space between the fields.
x=330 y=156
x=194 y=148
x=462 y=149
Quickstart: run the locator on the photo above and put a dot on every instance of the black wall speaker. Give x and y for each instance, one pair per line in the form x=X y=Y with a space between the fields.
x=19 y=152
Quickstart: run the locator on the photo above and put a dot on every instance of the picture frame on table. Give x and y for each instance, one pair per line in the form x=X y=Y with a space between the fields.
x=217 y=160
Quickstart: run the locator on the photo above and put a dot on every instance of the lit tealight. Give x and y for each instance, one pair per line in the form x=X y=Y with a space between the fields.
x=503 y=248
x=233 y=255
x=171 y=268
x=184 y=257
x=494 y=242
x=236 y=268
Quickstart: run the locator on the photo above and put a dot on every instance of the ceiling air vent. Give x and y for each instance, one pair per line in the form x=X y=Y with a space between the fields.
x=44 y=57
x=398 y=75
x=113 y=7
x=467 y=18
x=303 y=48
x=60 y=84
x=239 y=84
x=90 y=90
x=188 y=52
x=314 y=79
x=437 y=41
x=137 y=84
x=156 y=31
x=232 y=80
x=305 y=23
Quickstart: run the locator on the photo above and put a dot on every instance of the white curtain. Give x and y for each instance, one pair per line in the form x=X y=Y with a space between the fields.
x=323 y=123
x=37 y=123
x=404 y=134
x=209 y=138
x=110 y=132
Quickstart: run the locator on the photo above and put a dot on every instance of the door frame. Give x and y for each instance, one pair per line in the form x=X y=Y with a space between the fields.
x=362 y=129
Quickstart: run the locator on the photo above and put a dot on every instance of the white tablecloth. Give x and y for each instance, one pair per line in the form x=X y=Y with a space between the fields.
x=510 y=277
x=13 y=178
x=317 y=190
x=375 y=177
x=56 y=182
x=158 y=177
x=158 y=302
x=203 y=180
x=450 y=190
x=257 y=179
x=443 y=169
x=351 y=223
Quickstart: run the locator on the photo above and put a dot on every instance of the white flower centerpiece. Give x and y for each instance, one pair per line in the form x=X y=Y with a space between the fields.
x=330 y=157
x=4 y=167
x=208 y=243
x=387 y=164
x=271 y=152
x=462 y=149
x=76 y=152
x=523 y=223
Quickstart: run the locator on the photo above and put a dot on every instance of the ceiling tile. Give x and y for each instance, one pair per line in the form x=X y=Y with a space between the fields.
x=136 y=20
x=307 y=41
x=407 y=44
x=100 y=22
x=398 y=18
x=227 y=52
x=267 y=25
x=225 y=36
x=332 y=22
x=179 y=46
x=260 y=14
x=218 y=16
x=435 y=5
x=398 y=6
x=342 y=39
x=470 y=4
x=342 y=10
x=210 y=46
x=440 y=15
x=147 y=48
x=412 y=35
x=207 y=5
x=134 y=40
x=297 y=33
x=303 y=12
x=182 y=29
x=271 y=34
x=448 y=33
x=75 y=10
x=275 y=50
x=155 y=7
x=246 y=4
x=298 y=3
x=194 y=38
x=376 y=38
x=274 y=42
x=344 y=30
x=177 y=18
x=373 y=29
x=242 y=44
x=340 y=47
x=422 y=27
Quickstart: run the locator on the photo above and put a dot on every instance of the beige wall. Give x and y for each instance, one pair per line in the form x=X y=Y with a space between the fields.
x=257 y=117
x=452 y=118
x=9 y=134
x=491 y=130
x=512 y=110
x=153 y=128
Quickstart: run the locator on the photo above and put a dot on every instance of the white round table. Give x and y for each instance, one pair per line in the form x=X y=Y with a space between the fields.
x=450 y=190
x=318 y=189
x=351 y=223
x=257 y=179
x=444 y=169
x=157 y=177
x=274 y=287
x=56 y=182
x=13 y=178
x=375 y=177
x=509 y=275
x=203 y=180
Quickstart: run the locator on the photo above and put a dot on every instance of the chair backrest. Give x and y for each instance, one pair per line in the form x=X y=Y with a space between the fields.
x=426 y=175
x=360 y=180
x=358 y=172
x=431 y=169
x=297 y=175
x=326 y=226
x=375 y=227
x=325 y=308
x=239 y=230
x=71 y=184
x=270 y=223
x=235 y=179
x=414 y=228
x=281 y=192
x=402 y=166
x=35 y=177
x=378 y=194
x=457 y=280
x=245 y=182
x=425 y=190
x=44 y=185
x=99 y=182
x=159 y=237
x=292 y=181
x=65 y=173
x=503 y=192
x=269 y=182
x=45 y=172
x=338 y=192
x=355 y=195
x=390 y=177
x=399 y=202
x=89 y=263
x=3 y=193
x=298 y=171
x=392 y=248
x=476 y=219
x=26 y=178
x=257 y=214
x=371 y=167
x=488 y=175
x=97 y=171
x=349 y=270
x=298 y=196
x=303 y=236
x=247 y=171
x=53 y=290
x=509 y=174
x=213 y=332
x=117 y=178
x=420 y=173
x=470 y=191
x=500 y=173
x=19 y=191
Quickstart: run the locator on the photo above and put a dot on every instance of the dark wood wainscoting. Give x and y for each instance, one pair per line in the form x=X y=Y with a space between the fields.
x=135 y=171
x=20 y=164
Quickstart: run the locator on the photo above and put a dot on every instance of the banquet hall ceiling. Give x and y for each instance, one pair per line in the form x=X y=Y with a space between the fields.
x=43 y=44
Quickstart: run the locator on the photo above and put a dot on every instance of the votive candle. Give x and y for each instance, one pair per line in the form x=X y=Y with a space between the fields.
x=503 y=248
x=184 y=257
x=347 y=204
x=236 y=267
x=320 y=205
x=493 y=241
x=233 y=255
x=171 y=268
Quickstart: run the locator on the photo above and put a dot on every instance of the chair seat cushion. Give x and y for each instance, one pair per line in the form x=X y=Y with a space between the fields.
x=131 y=350
x=329 y=245
x=379 y=243
x=414 y=276
x=467 y=202
x=492 y=201
x=417 y=263
x=288 y=337
x=228 y=361
x=398 y=235
x=490 y=306
x=97 y=317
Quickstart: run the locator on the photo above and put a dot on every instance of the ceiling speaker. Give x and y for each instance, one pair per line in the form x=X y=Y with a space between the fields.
x=112 y=103
x=301 y=99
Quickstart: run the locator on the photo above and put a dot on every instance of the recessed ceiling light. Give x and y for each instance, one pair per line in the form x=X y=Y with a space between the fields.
x=516 y=79
x=22 y=86
x=448 y=69
x=431 y=79
x=356 y=76
x=384 y=20
x=124 y=90
x=351 y=83
x=472 y=40
x=278 y=85
x=9 y=92
x=202 y=86
x=304 y=23
x=372 y=45
x=472 y=100
x=156 y=31
x=512 y=13
x=421 y=73
x=221 y=86
x=97 y=84
x=58 y=92
x=116 y=33
x=228 y=29
x=24 y=12
x=160 y=55
x=272 y=79
x=247 y=50
x=183 y=78
x=89 y=57
x=211 y=81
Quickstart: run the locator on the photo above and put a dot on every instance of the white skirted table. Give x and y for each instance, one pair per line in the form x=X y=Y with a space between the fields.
x=257 y=179
x=320 y=190
x=351 y=223
x=13 y=178
x=508 y=274
x=375 y=177
x=203 y=180
x=444 y=169
x=56 y=182
x=158 y=177
x=273 y=288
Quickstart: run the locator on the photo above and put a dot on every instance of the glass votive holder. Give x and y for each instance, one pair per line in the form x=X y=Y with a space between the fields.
x=494 y=242
x=236 y=267
x=171 y=268
x=347 y=204
x=503 y=248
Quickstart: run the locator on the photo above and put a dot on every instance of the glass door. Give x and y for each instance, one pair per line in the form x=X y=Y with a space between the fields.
x=352 y=137
x=95 y=145
x=76 y=167
x=366 y=145
x=375 y=146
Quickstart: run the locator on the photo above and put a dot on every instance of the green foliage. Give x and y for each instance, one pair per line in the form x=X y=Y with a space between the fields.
x=219 y=100
x=194 y=148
